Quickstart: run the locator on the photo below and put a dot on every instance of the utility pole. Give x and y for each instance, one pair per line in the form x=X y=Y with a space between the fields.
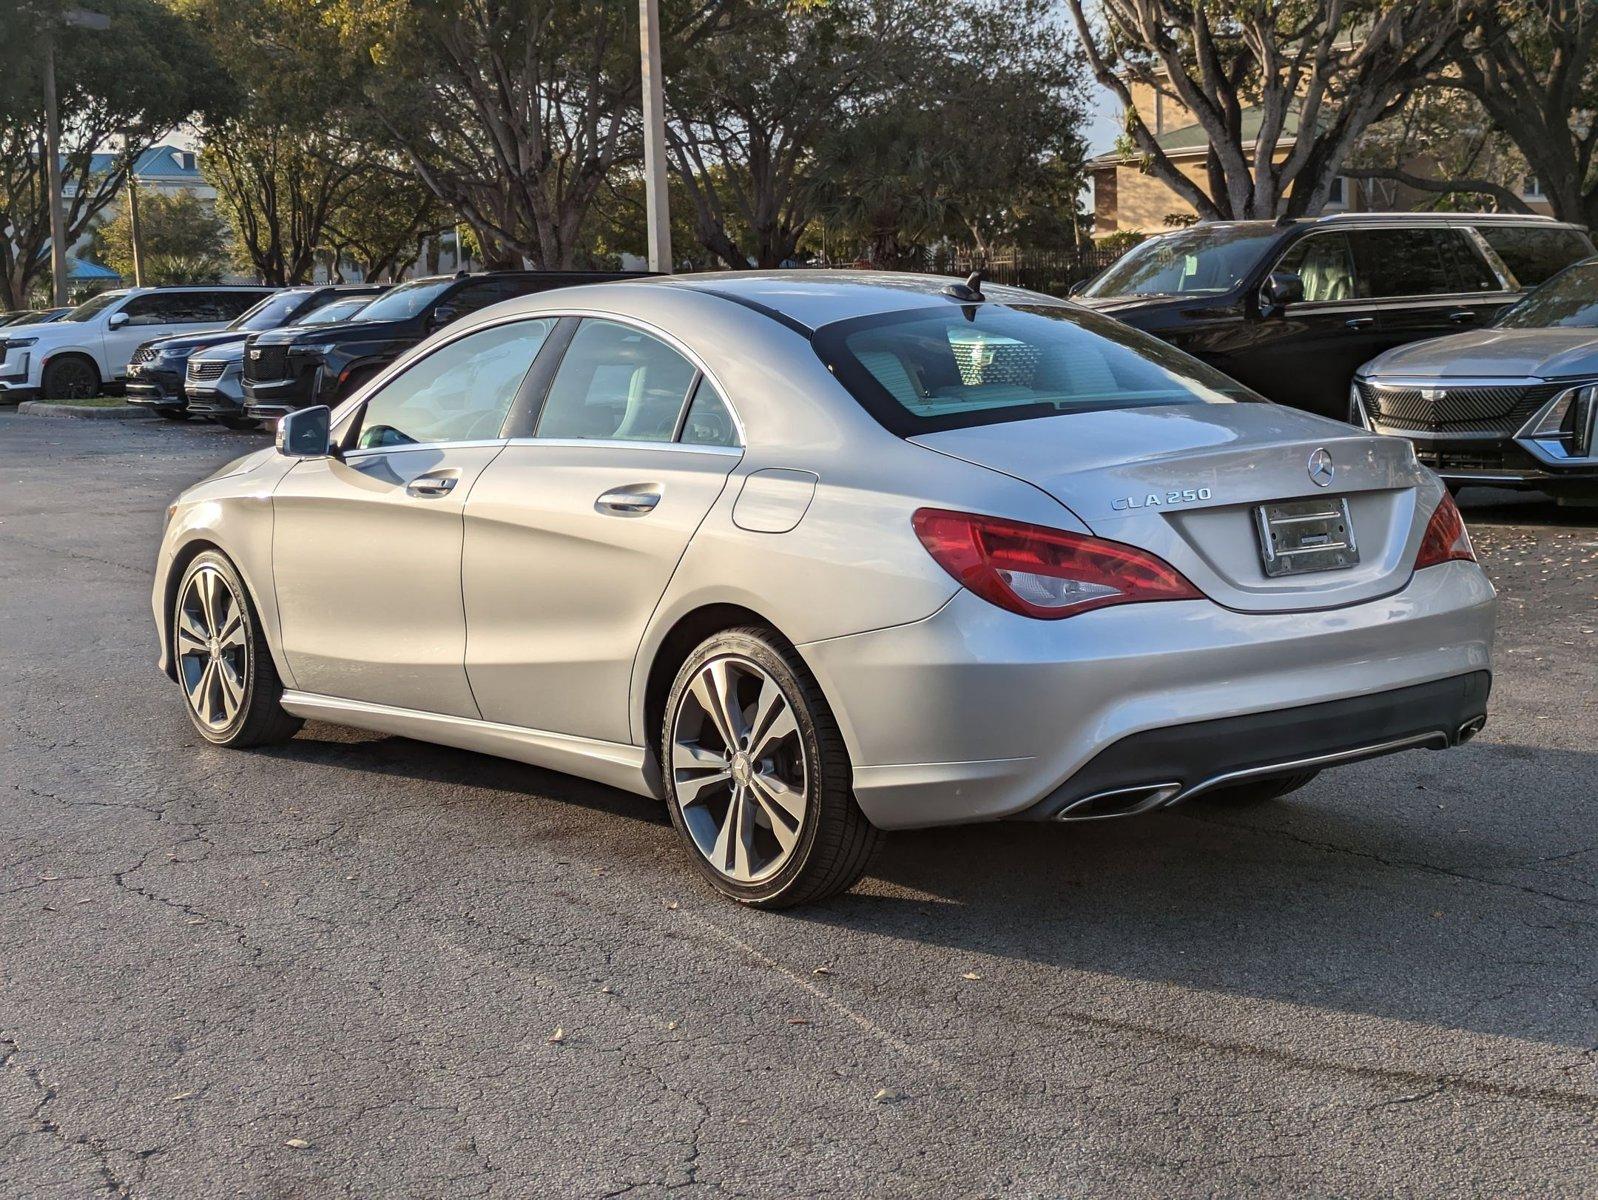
x=85 y=19
x=52 y=168
x=656 y=201
x=134 y=234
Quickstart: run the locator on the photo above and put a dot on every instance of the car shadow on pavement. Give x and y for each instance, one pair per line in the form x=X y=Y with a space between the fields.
x=1405 y=889
x=1361 y=893
x=403 y=758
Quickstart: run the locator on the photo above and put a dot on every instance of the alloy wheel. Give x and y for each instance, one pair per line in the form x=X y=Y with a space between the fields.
x=739 y=771
x=212 y=648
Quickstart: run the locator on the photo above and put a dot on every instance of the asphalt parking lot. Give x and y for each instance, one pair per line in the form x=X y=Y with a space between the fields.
x=360 y=966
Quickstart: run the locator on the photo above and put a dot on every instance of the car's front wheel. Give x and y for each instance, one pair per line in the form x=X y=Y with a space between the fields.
x=757 y=776
x=231 y=688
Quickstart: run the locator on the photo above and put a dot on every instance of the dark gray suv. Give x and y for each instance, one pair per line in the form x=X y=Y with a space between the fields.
x=1293 y=308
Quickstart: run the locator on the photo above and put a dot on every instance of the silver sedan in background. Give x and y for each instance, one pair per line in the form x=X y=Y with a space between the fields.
x=811 y=555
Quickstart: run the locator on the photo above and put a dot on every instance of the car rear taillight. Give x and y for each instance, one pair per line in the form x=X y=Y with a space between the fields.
x=1445 y=539
x=1042 y=572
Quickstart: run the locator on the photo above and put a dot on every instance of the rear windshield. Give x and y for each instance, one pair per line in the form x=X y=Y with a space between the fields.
x=1205 y=260
x=960 y=365
x=1567 y=301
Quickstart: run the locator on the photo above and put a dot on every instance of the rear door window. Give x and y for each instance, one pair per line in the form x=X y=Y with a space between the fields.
x=616 y=383
x=1535 y=254
x=1405 y=262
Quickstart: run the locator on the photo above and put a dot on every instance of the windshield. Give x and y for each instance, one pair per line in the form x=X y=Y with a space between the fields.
x=339 y=310
x=1569 y=300
x=962 y=365
x=1205 y=260
x=92 y=308
x=406 y=300
x=270 y=312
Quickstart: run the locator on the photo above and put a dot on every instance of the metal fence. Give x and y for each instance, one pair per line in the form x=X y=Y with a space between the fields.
x=1051 y=272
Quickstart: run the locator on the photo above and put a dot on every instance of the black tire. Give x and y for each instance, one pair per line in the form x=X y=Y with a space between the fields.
x=69 y=377
x=834 y=843
x=259 y=718
x=173 y=414
x=1259 y=791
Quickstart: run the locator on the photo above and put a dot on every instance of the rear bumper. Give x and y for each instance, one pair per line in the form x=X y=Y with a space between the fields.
x=976 y=714
x=1161 y=767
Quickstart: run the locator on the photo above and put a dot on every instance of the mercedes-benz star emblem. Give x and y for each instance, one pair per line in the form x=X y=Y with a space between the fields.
x=1321 y=468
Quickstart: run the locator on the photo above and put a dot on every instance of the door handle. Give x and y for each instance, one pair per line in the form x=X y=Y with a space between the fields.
x=431 y=485
x=1359 y=322
x=1462 y=315
x=628 y=501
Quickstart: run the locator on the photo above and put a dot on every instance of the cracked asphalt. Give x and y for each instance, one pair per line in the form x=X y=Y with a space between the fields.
x=338 y=967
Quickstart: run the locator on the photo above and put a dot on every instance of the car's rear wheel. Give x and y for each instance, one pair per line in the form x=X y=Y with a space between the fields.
x=69 y=377
x=231 y=688
x=1259 y=791
x=757 y=776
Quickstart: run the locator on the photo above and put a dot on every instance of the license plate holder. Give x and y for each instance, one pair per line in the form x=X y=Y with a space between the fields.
x=1301 y=536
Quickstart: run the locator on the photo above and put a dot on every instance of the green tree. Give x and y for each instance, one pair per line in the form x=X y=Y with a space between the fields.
x=383 y=219
x=280 y=158
x=980 y=140
x=514 y=113
x=183 y=240
x=126 y=86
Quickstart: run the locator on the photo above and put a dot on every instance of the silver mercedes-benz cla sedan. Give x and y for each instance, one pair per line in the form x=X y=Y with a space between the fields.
x=812 y=555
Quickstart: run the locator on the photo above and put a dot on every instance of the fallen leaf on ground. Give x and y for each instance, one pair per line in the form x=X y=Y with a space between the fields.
x=672 y=904
x=971 y=975
x=297 y=1144
x=798 y=1020
x=558 y=1036
x=181 y=1096
x=887 y=1096
x=822 y=971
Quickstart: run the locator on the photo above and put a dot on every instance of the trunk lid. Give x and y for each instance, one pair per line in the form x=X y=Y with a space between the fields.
x=1185 y=481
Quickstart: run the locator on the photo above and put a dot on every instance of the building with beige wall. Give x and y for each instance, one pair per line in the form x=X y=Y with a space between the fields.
x=1126 y=197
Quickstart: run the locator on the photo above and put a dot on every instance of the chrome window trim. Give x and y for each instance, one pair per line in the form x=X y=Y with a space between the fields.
x=624 y=444
x=373 y=451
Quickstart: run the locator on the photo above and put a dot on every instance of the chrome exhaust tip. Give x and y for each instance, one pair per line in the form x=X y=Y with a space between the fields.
x=1469 y=730
x=1120 y=802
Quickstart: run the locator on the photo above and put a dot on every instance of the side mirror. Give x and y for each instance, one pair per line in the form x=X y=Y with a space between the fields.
x=1280 y=289
x=305 y=433
x=443 y=315
x=116 y=320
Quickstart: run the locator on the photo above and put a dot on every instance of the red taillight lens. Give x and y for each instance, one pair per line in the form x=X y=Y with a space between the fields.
x=1042 y=572
x=1445 y=539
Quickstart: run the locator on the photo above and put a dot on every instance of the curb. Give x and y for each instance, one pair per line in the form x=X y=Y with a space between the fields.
x=43 y=408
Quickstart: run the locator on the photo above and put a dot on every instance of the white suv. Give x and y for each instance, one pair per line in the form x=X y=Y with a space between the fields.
x=91 y=345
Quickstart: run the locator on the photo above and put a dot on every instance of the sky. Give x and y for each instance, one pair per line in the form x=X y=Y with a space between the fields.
x=1104 y=125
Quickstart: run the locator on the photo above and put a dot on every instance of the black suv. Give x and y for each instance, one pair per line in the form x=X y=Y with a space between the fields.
x=295 y=368
x=1293 y=308
x=156 y=371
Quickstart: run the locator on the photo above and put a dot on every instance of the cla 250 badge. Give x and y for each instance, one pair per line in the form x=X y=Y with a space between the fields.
x=1156 y=500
